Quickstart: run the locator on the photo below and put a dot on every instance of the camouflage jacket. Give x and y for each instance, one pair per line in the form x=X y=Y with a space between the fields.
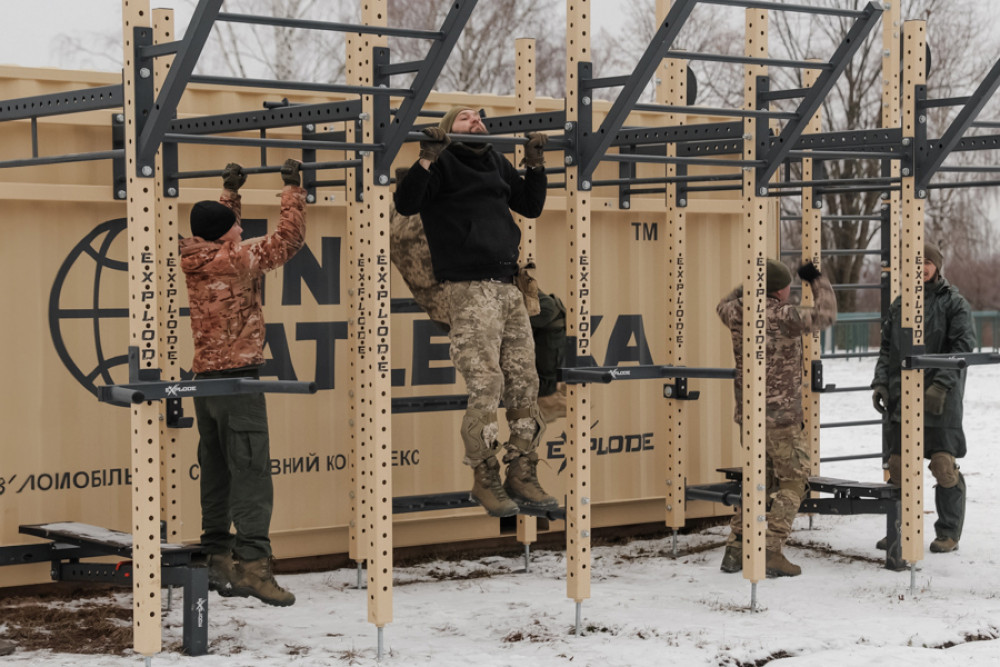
x=786 y=324
x=224 y=285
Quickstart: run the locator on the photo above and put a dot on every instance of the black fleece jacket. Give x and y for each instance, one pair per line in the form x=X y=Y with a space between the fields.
x=464 y=200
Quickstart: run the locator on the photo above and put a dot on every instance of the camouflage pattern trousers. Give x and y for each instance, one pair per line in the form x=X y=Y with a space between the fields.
x=492 y=345
x=787 y=484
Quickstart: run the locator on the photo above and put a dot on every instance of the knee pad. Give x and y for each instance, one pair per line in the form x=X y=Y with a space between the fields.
x=479 y=433
x=526 y=427
x=944 y=469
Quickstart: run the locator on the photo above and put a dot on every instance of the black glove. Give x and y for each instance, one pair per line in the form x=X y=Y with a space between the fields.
x=291 y=172
x=534 y=153
x=880 y=398
x=934 y=399
x=233 y=177
x=437 y=140
x=808 y=272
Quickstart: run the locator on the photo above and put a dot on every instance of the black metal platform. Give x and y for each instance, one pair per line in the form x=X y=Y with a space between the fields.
x=847 y=497
x=71 y=542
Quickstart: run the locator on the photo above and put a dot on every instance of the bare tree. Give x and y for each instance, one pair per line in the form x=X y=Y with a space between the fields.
x=959 y=32
x=277 y=52
x=483 y=58
x=955 y=30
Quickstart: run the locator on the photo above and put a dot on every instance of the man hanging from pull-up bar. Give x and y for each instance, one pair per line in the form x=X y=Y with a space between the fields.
x=464 y=192
x=224 y=280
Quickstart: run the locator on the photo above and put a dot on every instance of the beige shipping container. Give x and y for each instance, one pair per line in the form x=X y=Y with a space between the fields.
x=64 y=298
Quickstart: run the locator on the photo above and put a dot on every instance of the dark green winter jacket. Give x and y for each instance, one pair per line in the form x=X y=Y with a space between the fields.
x=948 y=328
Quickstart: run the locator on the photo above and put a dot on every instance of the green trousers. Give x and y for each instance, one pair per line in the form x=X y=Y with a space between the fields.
x=235 y=459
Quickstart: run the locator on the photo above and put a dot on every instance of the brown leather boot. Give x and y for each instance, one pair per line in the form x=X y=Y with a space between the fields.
x=254 y=579
x=522 y=482
x=777 y=565
x=943 y=545
x=221 y=574
x=488 y=491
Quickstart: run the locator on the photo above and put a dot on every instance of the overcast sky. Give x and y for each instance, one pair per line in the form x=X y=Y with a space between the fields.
x=30 y=26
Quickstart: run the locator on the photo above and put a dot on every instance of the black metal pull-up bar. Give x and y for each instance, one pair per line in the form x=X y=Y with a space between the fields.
x=268 y=169
x=952 y=361
x=178 y=138
x=300 y=85
x=607 y=374
x=140 y=392
x=306 y=24
x=782 y=7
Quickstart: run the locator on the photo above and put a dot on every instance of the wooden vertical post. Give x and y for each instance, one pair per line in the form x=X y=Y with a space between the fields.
x=168 y=281
x=144 y=334
x=578 y=211
x=891 y=44
x=755 y=219
x=376 y=406
x=672 y=90
x=527 y=526
x=357 y=271
x=912 y=295
x=812 y=229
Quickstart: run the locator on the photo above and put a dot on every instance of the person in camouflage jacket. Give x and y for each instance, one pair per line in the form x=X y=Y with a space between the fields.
x=464 y=193
x=948 y=328
x=224 y=281
x=787 y=454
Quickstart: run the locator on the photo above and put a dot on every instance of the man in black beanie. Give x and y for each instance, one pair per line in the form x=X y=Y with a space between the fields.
x=787 y=452
x=224 y=281
x=948 y=329
x=464 y=192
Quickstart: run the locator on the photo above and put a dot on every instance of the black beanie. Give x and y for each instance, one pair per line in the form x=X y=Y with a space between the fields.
x=778 y=276
x=210 y=220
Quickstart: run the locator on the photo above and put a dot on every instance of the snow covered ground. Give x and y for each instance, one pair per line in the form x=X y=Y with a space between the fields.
x=648 y=608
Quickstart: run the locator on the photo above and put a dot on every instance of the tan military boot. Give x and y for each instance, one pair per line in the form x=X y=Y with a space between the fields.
x=732 y=560
x=221 y=574
x=777 y=565
x=488 y=491
x=943 y=545
x=254 y=579
x=522 y=482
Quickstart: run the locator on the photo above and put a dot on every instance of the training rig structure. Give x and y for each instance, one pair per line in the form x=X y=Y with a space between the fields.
x=157 y=68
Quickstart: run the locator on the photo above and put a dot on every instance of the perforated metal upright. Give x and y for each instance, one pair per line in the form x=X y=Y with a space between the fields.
x=359 y=459
x=755 y=218
x=811 y=248
x=891 y=45
x=376 y=405
x=578 y=222
x=145 y=314
x=912 y=296
x=672 y=90
x=168 y=276
x=524 y=89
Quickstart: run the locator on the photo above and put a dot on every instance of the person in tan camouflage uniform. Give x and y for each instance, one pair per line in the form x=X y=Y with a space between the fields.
x=224 y=281
x=786 y=450
x=464 y=192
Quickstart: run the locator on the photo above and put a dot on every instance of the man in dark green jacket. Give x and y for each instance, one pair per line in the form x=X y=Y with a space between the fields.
x=948 y=328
